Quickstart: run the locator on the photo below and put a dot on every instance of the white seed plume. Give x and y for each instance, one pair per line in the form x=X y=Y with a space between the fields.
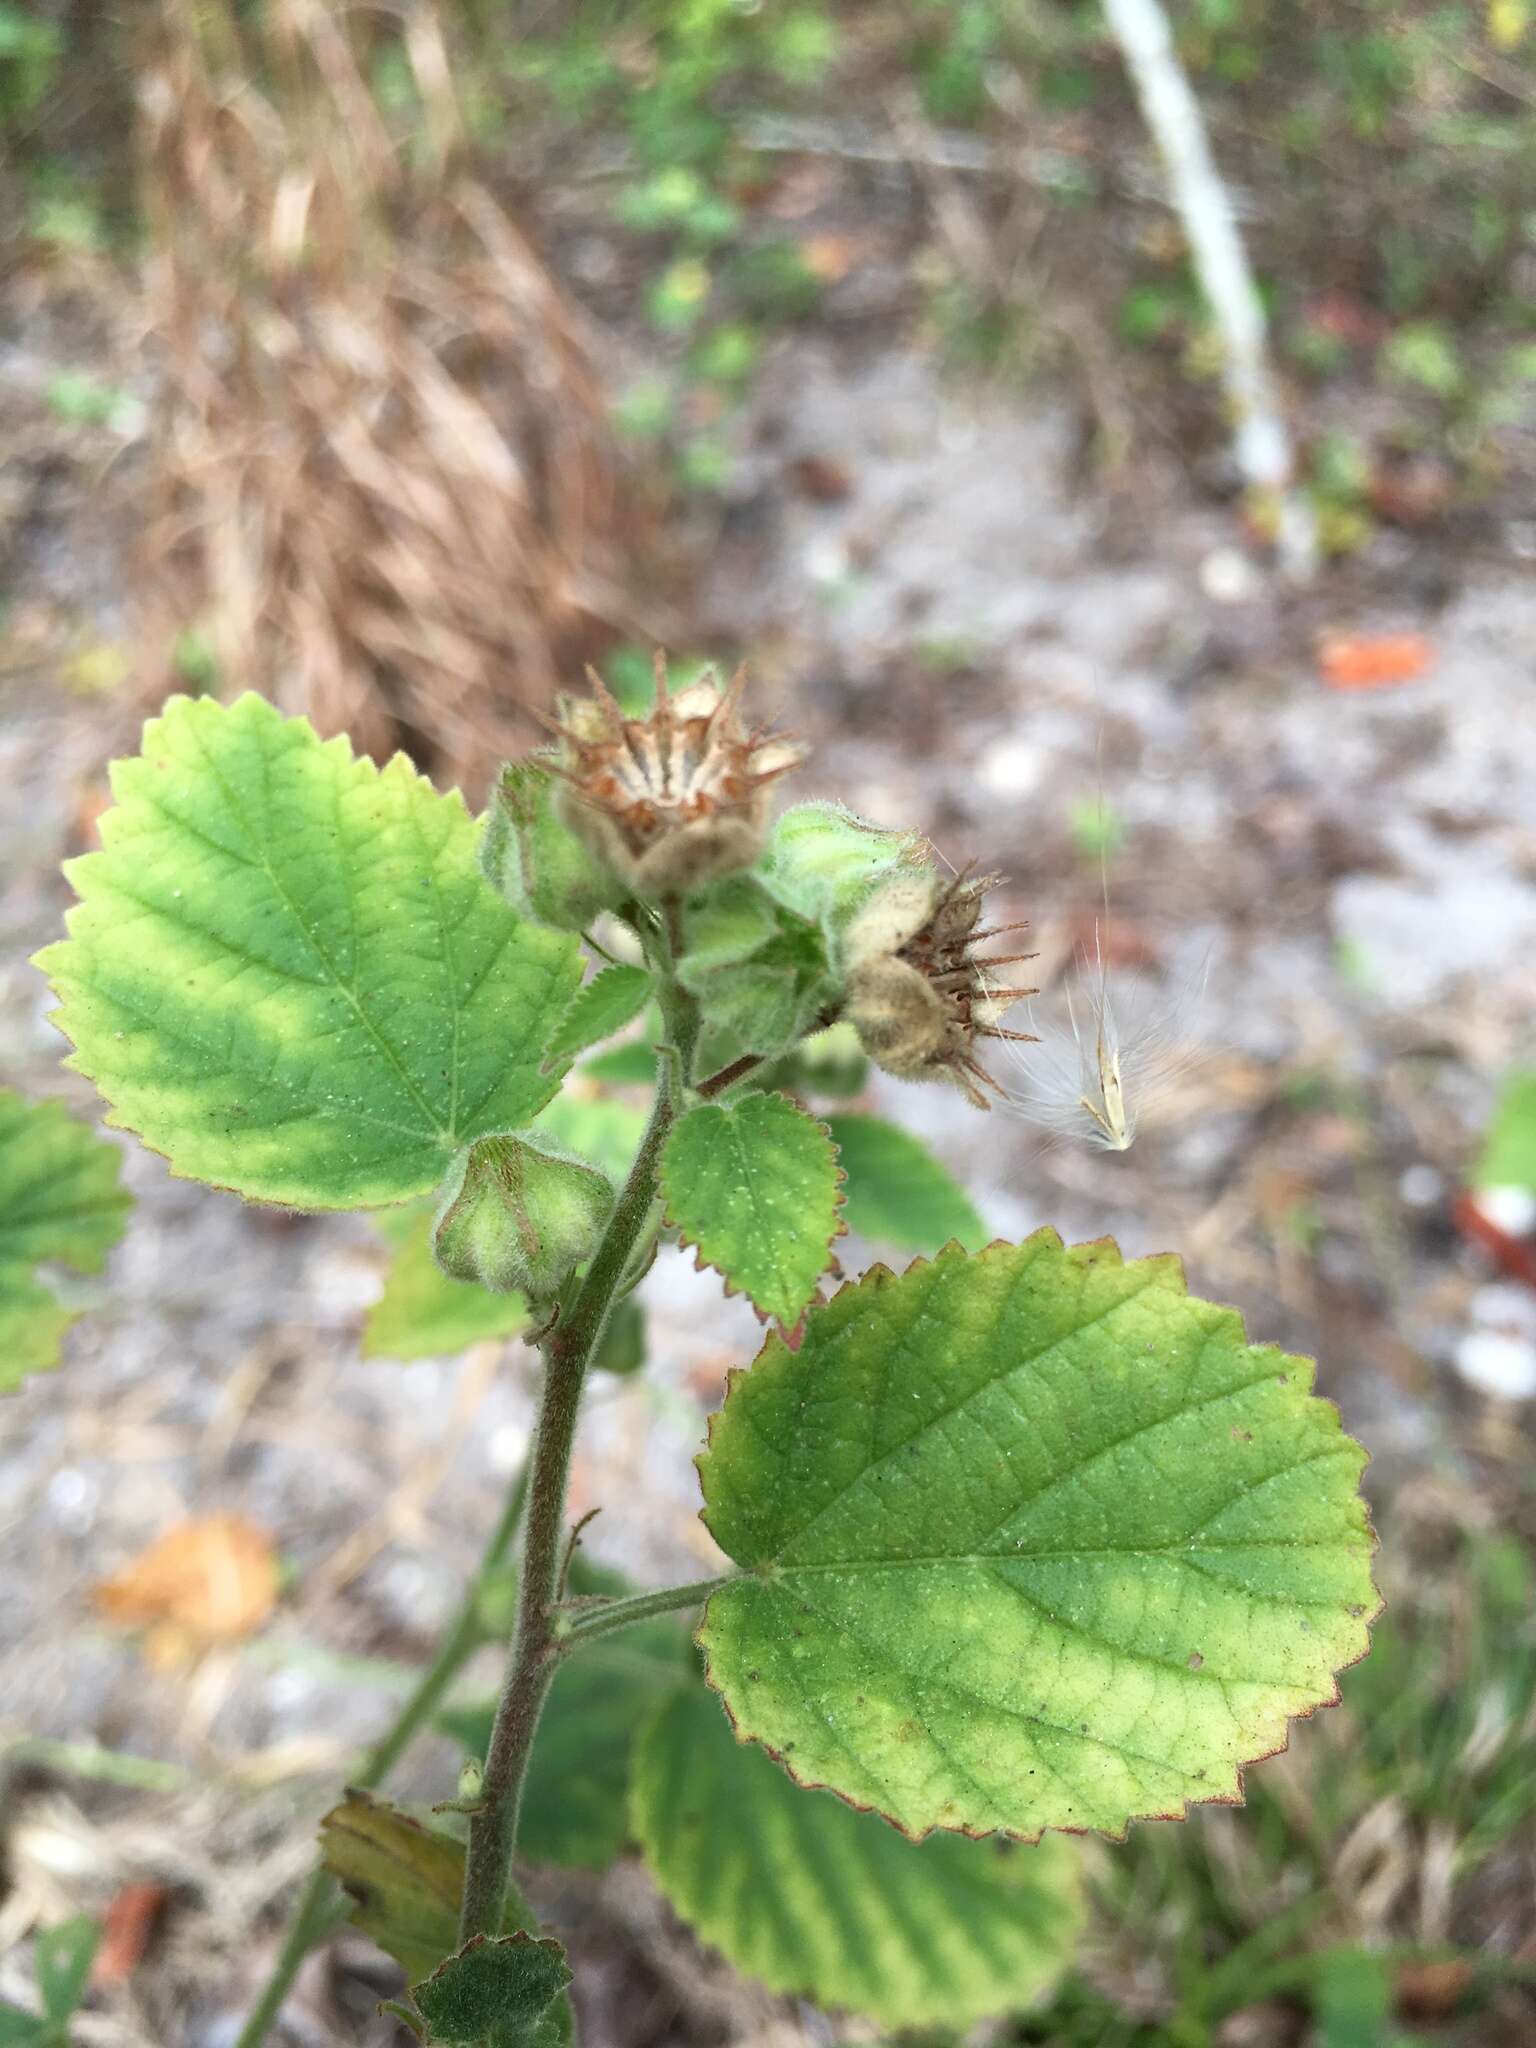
x=1093 y=1076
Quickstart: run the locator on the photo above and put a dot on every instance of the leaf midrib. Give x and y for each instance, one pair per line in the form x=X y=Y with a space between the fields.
x=279 y=889
x=830 y=1567
x=762 y=1230
x=975 y=1391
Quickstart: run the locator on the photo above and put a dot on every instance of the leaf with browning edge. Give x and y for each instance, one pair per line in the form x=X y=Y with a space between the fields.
x=286 y=973
x=820 y=1902
x=1030 y=1539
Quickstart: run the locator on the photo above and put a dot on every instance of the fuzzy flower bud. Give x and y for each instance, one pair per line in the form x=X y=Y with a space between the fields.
x=537 y=863
x=670 y=802
x=514 y=1217
x=914 y=990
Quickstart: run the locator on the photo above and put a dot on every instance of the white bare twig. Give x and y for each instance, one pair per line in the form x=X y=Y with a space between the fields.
x=1261 y=443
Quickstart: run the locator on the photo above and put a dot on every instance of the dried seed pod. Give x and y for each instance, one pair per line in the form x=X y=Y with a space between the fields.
x=915 y=992
x=670 y=802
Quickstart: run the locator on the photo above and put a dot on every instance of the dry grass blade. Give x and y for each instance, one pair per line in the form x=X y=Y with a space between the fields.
x=382 y=488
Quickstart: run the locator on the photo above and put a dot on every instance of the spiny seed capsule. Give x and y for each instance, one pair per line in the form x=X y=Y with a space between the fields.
x=673 y=801
x=915 y=992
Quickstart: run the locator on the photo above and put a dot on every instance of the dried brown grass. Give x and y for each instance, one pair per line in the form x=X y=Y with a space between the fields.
x=382 y=483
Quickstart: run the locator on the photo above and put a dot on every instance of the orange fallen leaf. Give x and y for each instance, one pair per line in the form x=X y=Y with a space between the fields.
x=127 y=1931
x=1373 y=661
x=213 y=1579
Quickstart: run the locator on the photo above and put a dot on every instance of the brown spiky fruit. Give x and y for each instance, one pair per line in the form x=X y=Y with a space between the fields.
x=916 y=993
x=670 y=802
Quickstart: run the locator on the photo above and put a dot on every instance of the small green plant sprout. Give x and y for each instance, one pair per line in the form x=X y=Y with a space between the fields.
x=1019 y=1541
x=62 y=1957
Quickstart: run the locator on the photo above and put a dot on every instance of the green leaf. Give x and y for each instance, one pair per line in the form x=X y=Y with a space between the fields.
x=64 y=1957
x=494 y=1994
x=1509 y=1154
x=758 y=1006
x=632 y=1065
x=20 y=2029
x=574 y=1803
x=404 y=1880
x=754 y=1186
x=598 y=1128
x=609 y=1001
x=830 y=1062
x=897 y=1192
x=821 y=860
x=621 y=1348
x=422 y=1313
x=821 y=1902
x=285 y=972
x=723 y=927
x=760 y=971
x=1033 y=1539
x=1353 y=2000
x=59 y=1201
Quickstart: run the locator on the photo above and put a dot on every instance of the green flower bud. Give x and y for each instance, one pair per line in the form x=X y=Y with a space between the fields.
x=822 y=861
x=517 y=1217
x=529 y=856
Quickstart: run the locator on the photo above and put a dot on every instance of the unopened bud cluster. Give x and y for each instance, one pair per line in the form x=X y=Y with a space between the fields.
x=822 y=915
x=517 y=1217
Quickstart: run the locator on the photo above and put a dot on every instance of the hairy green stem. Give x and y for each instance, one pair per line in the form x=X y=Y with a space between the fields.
x=319 y=1907
x=568 y=1349
x=576 y=1628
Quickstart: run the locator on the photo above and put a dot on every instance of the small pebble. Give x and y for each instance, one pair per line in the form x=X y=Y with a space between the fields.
x=1012 y=767
x=1228 y=576
x=1421 y=1187
x=1499 y=1365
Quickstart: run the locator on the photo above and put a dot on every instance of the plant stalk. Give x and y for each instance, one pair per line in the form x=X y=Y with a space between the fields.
x=582 y=1626
x=568 y=1349
x=319 y=1907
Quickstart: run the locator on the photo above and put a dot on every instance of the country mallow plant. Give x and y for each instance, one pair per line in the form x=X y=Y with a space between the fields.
x=1017 y=1543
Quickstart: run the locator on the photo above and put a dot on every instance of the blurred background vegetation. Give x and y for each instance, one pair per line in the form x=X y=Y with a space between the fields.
x=396 y=360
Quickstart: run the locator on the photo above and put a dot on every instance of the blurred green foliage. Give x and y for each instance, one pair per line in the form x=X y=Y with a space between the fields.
x=1383 y=153
x=1509 y=1150
x=1423 y=1769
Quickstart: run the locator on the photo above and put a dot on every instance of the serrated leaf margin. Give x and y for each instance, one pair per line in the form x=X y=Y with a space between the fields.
x=839 y=1229
x=883 y=1275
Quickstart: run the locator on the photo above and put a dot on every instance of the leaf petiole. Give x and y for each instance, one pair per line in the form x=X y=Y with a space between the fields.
x=577 y=1623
